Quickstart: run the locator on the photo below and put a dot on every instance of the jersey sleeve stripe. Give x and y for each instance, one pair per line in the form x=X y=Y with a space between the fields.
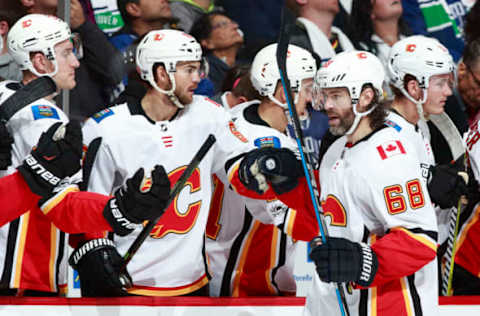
x=57 y=198
x=423 y=238
x=292 y=214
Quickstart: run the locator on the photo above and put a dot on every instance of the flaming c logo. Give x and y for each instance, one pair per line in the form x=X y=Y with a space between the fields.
x=411 y=48
x=179 y=219
x=362 y=55
x=158 y=37
x=26 y=23
x=333 y=207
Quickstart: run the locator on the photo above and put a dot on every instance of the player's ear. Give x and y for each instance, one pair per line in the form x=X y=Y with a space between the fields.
x=161 y=76
x=366 y=97
x=413 y=88
x=41 y=63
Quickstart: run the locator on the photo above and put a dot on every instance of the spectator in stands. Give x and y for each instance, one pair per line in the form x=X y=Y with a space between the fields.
x=315 y=31
x=188 y=11
x=101 y=64
x=8 y=67
x=468 y=73
x=442 y=19
x=221 y=39
x=104 y=13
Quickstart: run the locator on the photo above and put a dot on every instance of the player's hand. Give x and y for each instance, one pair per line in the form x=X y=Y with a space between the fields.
x=6 y=142
x=99 y=264
x=342 y=260
x=57 y=155
x=278 y=167
x=446 y=184
x=142 y=198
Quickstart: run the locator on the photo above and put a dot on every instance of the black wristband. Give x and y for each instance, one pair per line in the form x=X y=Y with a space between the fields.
x=121 y=225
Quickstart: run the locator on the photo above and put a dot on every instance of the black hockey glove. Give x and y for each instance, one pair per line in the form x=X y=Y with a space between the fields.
x=56 y=156
x=98 y=264
x=278 y=166
x=341 y=260
x=6 y=142
x=446 y=185
x=139 y=200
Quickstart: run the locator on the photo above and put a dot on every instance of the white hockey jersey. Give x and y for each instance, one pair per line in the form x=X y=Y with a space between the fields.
x=171 y=261
x=239 y=228
x=373 y=192
x=32 y=249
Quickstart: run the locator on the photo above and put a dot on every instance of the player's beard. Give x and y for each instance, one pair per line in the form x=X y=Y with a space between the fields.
x=346 y=121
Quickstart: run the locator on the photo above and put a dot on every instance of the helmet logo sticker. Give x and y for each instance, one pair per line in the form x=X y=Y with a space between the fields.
x=27 y=23
x=158 y=37
x=362 y=55
x=411 y=47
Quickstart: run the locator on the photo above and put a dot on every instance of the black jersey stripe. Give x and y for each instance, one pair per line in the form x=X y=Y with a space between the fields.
x=234 y=253
x=8 y=263
x=417 y=307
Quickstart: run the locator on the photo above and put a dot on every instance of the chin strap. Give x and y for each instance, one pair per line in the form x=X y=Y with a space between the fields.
x=418 y=103
x=170 y=93
x=358 y=116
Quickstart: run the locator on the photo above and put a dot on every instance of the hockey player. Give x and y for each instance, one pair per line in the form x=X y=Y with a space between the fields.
x=42 y=177
x=34 y=248
x=380 y=219
x=240 y=228
x=165 y=126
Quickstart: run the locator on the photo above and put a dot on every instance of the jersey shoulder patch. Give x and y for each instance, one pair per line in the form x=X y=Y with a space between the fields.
x=44 y=111
x=267 y=141
x=391 y=148
x=99 y=116
x=393 y=125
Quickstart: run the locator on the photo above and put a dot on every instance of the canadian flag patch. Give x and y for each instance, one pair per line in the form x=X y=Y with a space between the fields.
x=390 y=149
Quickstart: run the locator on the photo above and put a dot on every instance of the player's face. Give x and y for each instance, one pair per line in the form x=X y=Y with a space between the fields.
x=439 y=89
x=66 y=65
x=386 y=9
x=338 y=106
x=469 y=85
x=304 y=97
x=152 y=10
x=187 y=77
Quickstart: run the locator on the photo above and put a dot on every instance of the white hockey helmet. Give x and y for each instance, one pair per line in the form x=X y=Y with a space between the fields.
x=351 y=70
x=168 y=47
x=419 y=56
x=265 y=74
x=36 y=33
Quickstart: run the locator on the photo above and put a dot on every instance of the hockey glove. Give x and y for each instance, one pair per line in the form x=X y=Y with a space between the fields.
x=56 y=156
x=139 y=200
x=6 y=142
x=98 y=264
x=446 y=185
x=341 y=260
x=278 y=166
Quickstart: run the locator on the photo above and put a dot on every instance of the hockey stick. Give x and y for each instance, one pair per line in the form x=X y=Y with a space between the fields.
x=88 y=162
x=286 y=25
x=173 y=194
x=454 y=140
x=31 y=92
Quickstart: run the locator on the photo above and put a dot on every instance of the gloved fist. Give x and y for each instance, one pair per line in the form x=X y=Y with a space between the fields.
x=99 y=264
x=342 y=260
x=6 y=142
x=447 y=184
x=56 y=156
x=277 y=166
x=140 y=199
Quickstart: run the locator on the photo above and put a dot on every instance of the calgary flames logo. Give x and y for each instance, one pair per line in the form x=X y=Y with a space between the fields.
x=179 y=219
x=333 y=208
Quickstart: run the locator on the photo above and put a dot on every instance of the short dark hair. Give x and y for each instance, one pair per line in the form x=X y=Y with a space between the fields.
x=122 y=7
x=471 y=53
x=237 y=81
x=11 y=12
x=202 y=27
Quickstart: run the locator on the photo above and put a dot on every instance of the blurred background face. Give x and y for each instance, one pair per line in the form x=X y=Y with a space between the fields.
x=153 y=10
x=224 y=33
x=331 y=6
x=386 y=9
x=469 y=84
